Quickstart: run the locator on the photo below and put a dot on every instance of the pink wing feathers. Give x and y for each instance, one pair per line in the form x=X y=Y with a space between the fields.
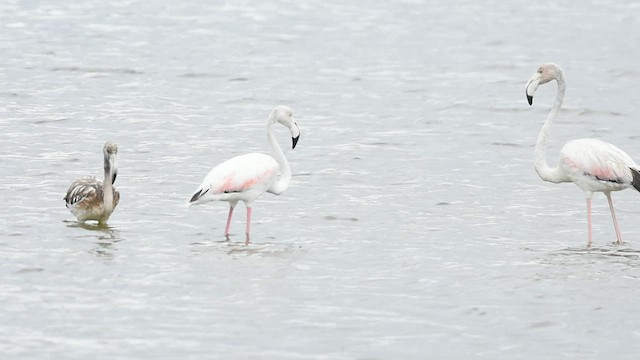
x=600 y=160
x=236 y=176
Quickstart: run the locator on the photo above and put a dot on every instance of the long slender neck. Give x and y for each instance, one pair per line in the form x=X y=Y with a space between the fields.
x=285 y=171
x=556 y=174
x=107 y=185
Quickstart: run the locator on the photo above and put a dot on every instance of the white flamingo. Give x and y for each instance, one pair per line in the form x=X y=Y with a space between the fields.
x=246 y=177
x=591 y=164
x=89 y=198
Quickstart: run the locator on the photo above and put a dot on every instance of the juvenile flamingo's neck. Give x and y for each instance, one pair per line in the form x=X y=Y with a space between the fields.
x=107 y=185
x=554 y=175
x=285 y=171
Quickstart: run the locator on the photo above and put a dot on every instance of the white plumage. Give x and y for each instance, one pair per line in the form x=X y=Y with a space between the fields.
x=243 y=177
x=246 y=177
x=593 y=165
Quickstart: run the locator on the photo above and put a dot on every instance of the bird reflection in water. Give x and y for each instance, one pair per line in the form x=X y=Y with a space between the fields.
x=102 y=235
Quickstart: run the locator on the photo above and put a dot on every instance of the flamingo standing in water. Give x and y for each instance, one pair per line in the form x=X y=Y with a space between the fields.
x=591 y=164
x=246 y=177
x=89 y=198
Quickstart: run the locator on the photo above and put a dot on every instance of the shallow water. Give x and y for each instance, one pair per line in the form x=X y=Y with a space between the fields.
x=414 y=226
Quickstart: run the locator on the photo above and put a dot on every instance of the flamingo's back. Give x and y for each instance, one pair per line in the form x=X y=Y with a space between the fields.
x=85 y=199
x=243 y=177
x=595 y=165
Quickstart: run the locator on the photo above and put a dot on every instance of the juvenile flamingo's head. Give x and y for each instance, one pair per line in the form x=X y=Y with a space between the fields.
x=283 y=115
x=110 y=148
x=544 y=74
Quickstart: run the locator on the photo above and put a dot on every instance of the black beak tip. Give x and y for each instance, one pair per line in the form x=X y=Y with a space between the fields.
x=530 y=99
x=295 y=141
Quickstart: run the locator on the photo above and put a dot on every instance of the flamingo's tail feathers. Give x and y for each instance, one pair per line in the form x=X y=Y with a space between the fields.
x=636 y=178
x=201 y=192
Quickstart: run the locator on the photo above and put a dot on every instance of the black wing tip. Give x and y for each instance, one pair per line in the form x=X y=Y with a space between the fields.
x=636 y=178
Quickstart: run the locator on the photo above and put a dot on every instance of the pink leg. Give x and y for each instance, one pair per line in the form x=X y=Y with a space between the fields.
x=613 y=216
x=589 y=220
x=226 y=229
x=248 y=241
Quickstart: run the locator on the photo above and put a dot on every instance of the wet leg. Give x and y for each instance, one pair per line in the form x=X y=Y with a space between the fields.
x=248 y=240
x=613 y=216
x=589 y=220
x=226 y=229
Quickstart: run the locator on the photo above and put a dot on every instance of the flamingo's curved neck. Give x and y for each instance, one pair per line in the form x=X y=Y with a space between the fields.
x=285 y=171
x=554 y=175
x=109 y=175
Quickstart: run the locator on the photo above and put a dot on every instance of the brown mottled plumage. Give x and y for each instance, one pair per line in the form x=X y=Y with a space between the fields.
x=89 y=198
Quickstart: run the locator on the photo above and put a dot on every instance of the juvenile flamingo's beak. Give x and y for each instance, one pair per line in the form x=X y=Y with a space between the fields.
x=295 y=141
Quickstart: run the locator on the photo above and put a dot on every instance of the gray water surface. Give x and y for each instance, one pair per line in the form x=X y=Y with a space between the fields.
x=414 y=226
